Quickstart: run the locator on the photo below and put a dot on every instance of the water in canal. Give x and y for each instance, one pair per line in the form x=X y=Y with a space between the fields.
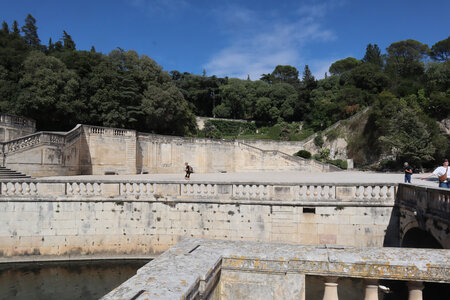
x=64 y=280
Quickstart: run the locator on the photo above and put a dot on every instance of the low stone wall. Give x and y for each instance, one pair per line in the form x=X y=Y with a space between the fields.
x=206 y=269
x=44 y=217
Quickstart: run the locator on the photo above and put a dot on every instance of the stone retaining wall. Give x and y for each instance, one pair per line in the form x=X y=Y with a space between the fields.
x=74 y=218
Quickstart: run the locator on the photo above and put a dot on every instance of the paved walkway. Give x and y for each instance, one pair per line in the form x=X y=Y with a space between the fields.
x=281 y=177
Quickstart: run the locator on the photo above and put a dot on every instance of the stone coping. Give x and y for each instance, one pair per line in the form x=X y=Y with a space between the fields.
x=189 y=268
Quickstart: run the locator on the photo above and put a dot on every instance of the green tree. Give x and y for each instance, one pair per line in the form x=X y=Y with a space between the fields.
x=30 y=32
x=373 y=55
x=308 y=80
x=5 y=27
x=285 y=74
x=441 y=50
x=344 y=65
x=15 y=29
x=405 y=57
x=49 y=92
x=68 y=43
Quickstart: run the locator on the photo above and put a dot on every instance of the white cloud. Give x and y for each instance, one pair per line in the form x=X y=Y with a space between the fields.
x=262 y=42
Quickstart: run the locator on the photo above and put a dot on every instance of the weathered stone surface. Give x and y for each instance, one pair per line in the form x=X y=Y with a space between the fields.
x=179 y=272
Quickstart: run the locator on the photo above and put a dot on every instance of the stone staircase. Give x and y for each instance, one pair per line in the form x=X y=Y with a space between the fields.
x=6 y=173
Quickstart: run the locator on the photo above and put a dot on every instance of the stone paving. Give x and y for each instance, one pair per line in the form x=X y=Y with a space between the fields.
x=270 y=177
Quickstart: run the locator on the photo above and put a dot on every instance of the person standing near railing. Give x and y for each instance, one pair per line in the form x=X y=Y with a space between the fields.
x=442 y=174
x=408 y=172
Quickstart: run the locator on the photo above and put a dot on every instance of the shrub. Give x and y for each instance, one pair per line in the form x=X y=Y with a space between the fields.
x=318 y=140
x=332 y=135
x=339 y=163
x=304 y=154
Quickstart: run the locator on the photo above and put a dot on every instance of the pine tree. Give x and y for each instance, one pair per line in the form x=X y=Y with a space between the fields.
x=93 y=49
x=15 y=29
x=30 y=32
x=51 y=46
x=5 y=27
x=308 y=79
x=67 y=41
x=373 y=55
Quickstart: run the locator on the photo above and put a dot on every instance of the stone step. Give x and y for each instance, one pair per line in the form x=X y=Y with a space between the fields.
x=6 y=173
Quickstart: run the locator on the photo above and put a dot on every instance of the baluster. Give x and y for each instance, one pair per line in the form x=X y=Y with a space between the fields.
x=69 y=188
x=92 y=190
x=366 y=193
x=371 y=291
x=381 y=191
x=184 y=190
x=192 y=189
x=388 y=191
x=265 y=190
x=13 y=188
x=138 y=188
x=35 y=189
x=322 y=191
x=257 y=190
x=300 y=190
x=204 y=189
x=28 y=189
x=131 y=188
x=4 y=188
x=152 y=187
x=20 y=189
x=330 y=192
x=144 y=189
x=330 y=292
x=77 y=189
x=124 y=188
x=85 y=188
x=373 y=191
x=415 y=290
x=308 y=190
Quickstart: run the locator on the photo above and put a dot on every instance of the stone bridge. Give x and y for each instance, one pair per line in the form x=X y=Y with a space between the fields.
x=220 y=270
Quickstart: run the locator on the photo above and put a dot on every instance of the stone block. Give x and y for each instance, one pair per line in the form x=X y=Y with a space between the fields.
x=111 y=189
x=283 y=192
x=327 y=238
x=167 y=189
x=52 y=189
x=345 y=192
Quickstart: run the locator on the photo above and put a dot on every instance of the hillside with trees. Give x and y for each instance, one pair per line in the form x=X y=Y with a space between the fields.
x=407 y=88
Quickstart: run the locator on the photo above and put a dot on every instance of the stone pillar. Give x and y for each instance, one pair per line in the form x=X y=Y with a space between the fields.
x=371 y=292
x=330 y=292
x=415 y=290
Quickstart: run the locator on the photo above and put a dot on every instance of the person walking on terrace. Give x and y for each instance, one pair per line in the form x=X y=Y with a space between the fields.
x=408 y=172
x=188 y=169
x=442 y=174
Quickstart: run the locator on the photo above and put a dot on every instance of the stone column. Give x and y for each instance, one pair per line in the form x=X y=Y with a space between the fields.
x=415 y=290
x=371 y=292
x=330 y=292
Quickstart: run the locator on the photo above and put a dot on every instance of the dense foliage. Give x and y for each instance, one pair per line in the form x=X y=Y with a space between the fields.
x=408 y=89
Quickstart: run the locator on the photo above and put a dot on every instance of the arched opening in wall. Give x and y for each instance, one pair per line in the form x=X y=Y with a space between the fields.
x=417 y=238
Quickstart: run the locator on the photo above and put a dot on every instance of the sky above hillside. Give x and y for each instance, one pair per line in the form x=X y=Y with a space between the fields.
x=236 y=38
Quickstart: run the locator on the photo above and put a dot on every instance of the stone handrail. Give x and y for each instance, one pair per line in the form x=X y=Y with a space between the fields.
x=32 y=140
x=323 y=166
x=194 y=268
x=426 y=200
x=302 y=193
x=8 y=119
x=107 y=131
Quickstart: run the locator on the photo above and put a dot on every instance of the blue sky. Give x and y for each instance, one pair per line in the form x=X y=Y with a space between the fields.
x=236 y=38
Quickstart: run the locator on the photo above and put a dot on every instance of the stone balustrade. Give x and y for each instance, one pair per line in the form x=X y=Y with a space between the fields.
x=211 y=269
x=32 y=140
x=145 y=190
x=7 y=119
x=426 y=201
x=106 y=131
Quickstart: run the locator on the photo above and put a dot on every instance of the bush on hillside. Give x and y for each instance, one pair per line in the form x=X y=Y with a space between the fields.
x=303 y=153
